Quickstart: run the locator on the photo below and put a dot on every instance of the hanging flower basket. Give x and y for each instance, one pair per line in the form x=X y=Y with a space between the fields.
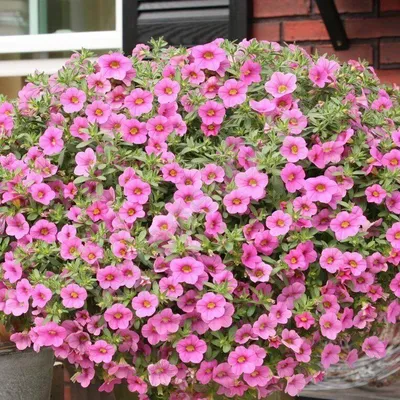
x=203 y=223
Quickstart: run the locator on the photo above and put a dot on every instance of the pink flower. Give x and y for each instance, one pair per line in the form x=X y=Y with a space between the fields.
x=293 y=177
x=72 y=100
x=212 y=112
x=295 y=119
x=166 y=322
x=44 y=230
x=393 y=235
x=159 y=127
x=109 y=277
x=137 y=191
x=71 y=248
x=98 y=112
x=42 y=193
x=330 y=325
x=242 y=360
x=114 y=65
x=186 y=269
x=330 y=355
x=374 y=348
x=253 y=181
x=250 y=72
x=212 y=173
x=375 y=194
x=51 y=141
x=17 y=226
x=354 y=262
x=294 y=148
x=259 y=377
x=12 y=270
x=101 y=351
x=191 y=349
x=73 y=296
x=281 y=84
x=166 y=90
x=345 y=225
x=145 y=304
x=161 y=373
x=211 y=306
x=21 y=340
x=393 y=202
x=208 y=56
x=40 y=296
x=265 y=326
x=118 y=316
x=214 y=224
x=304 y=320
x=295 y=384
x=139 y=102
x=233 y=92
x=279 y=223
x=50 y=334
x=134 y=131
x=236 y=202
x=320 y=189
x=84 y=162
x=193 y=73
x=331 y=259
x=395 y=285
x=391 y=160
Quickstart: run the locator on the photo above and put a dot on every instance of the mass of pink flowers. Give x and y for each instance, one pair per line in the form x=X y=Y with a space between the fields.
x=215 y=222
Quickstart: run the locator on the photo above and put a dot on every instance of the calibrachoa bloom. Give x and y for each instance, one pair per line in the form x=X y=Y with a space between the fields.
x=222 y=218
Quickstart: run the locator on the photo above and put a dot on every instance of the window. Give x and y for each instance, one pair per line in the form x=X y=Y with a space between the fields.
x=41 y=29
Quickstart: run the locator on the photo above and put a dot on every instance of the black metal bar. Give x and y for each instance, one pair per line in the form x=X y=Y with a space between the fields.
x=129 y=25
x=239 y=12
x=333 y=23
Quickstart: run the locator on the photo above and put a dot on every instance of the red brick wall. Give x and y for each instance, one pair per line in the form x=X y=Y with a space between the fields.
x=373 y=27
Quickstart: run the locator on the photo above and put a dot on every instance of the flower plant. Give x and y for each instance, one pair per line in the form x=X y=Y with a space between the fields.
x=214 y=222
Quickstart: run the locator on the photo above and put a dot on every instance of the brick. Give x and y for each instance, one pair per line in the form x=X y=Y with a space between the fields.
x=266 y=31
x=356 y=51
x=274 y=8
x=390 y=52
x=358 y=28
x=389 y=76
x=390 y=5
x=350 y=6
x=304 y=30
x=373 y=27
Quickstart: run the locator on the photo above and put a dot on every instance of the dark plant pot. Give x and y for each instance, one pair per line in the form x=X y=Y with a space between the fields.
x=25 y=375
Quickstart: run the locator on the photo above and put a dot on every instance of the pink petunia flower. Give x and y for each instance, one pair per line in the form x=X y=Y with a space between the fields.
x=114 y=65
x=101 y=351
x=253 y=181
x=345 y=225
x=51 y=141
x=166 y=90
x=118 y=316
x=42 y=193
x=281 y=84
x=50 y=334
x=320 y=189
x=73 y=296
x=98 y=112
x=331 y=259
x=109 y=277
x=208 y=56
x=330 y=325
x=233 y=93
x=211 y=306
x=84 y=162
x=236 y=202
x=373 y=347
x=293 y=177
x=72 y=100
x=139 y=102
x=17 y=226
x=330 y=355
x=191 y=349
x=242 y=360
x=294 y=148
x=375 y=194
x=145 y=304
x=295 y=384
x=393 y=235
x=161 y=373
x=41 y=295
x=279 y=223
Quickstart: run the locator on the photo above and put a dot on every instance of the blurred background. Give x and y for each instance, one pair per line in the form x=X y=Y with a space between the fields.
x=41 y=34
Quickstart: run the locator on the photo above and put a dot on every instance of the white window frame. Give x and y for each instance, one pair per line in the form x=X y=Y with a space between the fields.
x=68 y=41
